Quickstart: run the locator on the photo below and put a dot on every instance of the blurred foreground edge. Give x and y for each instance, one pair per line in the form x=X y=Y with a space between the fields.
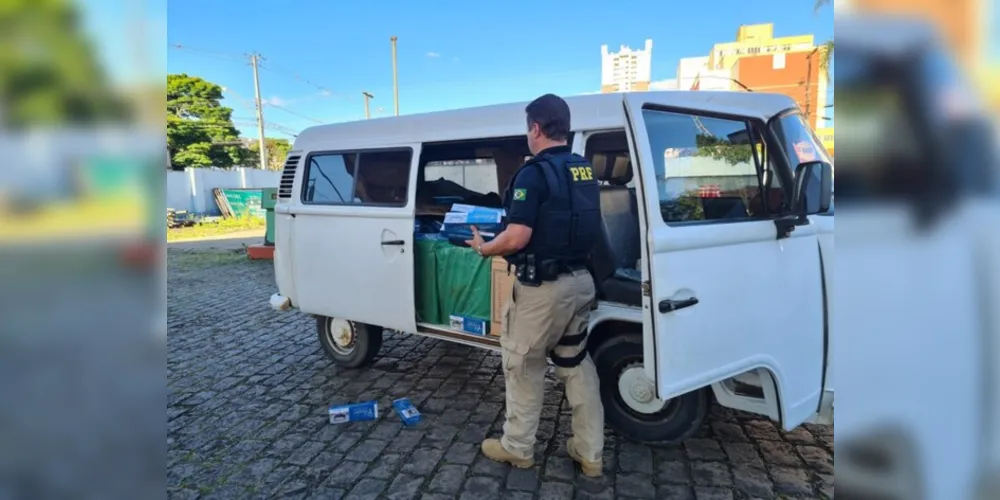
x=919 y=281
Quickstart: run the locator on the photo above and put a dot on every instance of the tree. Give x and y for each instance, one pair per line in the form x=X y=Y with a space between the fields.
x=200 y=131
x=48 y=72
x=277 y=151
x=723 y=150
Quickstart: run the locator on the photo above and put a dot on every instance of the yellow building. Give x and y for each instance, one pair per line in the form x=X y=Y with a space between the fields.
x=826 y=137
x=756 y=39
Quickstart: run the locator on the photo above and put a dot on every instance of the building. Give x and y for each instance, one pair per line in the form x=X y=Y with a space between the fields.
x=693 y=73
x=753 y=40
x=626 y=70
x=799 y=75
x=826 y=137
x=791 y=65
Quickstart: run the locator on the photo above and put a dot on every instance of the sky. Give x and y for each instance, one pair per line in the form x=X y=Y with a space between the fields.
x=320 y=55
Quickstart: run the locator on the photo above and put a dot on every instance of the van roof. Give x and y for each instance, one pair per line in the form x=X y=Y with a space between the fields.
x=589 y=112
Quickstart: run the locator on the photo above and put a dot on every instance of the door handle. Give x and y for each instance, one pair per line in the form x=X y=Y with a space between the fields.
x=394 y=242
x=673 y=305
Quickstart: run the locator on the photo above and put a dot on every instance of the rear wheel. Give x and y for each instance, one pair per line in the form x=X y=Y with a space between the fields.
x=630 y=403
x=348 y=343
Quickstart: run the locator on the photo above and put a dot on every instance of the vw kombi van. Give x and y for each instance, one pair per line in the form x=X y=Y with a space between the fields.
x=712 y=275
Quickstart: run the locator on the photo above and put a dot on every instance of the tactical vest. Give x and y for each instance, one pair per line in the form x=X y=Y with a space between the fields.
x=569 y=218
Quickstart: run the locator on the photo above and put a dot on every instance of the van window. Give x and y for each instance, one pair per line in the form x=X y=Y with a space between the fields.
x=707 y=170
x=367 y=177
x=478 y=174
x=473 y=172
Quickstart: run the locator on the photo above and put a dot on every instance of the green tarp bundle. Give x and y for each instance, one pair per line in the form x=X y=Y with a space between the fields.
x=450 y=280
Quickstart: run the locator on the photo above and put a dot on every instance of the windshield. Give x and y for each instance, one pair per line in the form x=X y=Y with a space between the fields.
x=798 y=140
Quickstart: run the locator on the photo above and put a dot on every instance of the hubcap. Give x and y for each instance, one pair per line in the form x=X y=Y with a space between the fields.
x=341 y=335
x=637 y=390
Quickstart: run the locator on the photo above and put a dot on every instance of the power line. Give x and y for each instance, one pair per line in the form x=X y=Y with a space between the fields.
x=247 y=103
x=293 y=112
x=295 y=76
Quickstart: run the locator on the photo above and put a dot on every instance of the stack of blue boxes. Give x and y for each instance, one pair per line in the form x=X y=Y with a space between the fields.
x=459 y=221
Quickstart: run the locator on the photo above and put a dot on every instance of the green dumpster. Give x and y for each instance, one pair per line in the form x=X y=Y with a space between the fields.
x=269 y=196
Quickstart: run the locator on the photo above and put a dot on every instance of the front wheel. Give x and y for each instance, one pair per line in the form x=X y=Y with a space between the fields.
x=631 y=406
x=347 y=343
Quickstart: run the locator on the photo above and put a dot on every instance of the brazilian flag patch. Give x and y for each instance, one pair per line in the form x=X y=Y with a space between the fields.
x=520 y=194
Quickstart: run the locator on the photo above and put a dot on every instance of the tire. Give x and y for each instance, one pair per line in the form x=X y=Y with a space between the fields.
x=362 y=347
x=675 y=421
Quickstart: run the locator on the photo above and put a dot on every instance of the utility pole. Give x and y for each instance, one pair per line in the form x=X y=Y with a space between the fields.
x=809 y=60
x=254 y=61
x=367 y=95
x=395 y=81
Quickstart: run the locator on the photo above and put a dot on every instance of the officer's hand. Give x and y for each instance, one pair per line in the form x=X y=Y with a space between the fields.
x=476 y=240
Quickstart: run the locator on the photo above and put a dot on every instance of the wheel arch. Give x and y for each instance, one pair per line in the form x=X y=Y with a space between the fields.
x=608 y=329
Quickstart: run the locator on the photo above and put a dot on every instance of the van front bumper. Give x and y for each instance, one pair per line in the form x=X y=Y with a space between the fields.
x=280 y=303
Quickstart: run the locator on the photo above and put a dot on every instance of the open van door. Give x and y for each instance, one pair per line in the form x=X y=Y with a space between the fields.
x=723 y=295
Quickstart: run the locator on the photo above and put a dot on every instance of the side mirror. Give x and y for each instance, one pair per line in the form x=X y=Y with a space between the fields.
x=813 y=190
x=811 y=194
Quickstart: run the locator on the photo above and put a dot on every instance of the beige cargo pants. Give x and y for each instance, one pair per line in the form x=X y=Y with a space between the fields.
x=536 y=318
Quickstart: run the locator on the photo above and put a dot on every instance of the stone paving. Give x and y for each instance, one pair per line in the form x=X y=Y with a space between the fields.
x=248 y=390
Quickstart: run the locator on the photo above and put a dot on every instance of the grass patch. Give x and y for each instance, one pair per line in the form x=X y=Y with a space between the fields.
x=216 y=228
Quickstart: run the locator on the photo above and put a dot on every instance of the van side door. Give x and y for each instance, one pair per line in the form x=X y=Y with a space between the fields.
x=353 y=248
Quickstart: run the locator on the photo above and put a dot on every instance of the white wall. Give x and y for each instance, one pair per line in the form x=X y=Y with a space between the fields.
x=191 y=189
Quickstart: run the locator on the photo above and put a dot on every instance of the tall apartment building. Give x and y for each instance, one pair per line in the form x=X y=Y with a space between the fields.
x=626 y=70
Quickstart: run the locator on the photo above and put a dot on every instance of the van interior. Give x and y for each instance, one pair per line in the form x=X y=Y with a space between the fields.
x=459 y=292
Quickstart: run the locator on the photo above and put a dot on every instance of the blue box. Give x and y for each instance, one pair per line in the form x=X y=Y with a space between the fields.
x=461 y=208
x=459 y=221
x=406 y=411
x=474 y=326
x=354 y=412
x=475 y=217
x=464 y=233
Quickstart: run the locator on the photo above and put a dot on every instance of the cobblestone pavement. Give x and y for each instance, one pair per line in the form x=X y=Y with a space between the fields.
x=248 y=390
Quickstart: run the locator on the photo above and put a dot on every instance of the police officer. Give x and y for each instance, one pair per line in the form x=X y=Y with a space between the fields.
x=553 y=219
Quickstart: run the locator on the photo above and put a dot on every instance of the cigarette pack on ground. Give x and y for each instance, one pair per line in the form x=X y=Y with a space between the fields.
x=354 y=412
x=406 y=411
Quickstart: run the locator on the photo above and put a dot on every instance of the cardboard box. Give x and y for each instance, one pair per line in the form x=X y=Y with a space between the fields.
x=474 y=326
x=459 y=221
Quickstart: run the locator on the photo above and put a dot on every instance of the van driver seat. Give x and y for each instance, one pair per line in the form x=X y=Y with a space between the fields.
x=617 y=250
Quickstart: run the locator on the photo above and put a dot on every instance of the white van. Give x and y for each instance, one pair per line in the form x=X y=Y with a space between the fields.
x=710 y=280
